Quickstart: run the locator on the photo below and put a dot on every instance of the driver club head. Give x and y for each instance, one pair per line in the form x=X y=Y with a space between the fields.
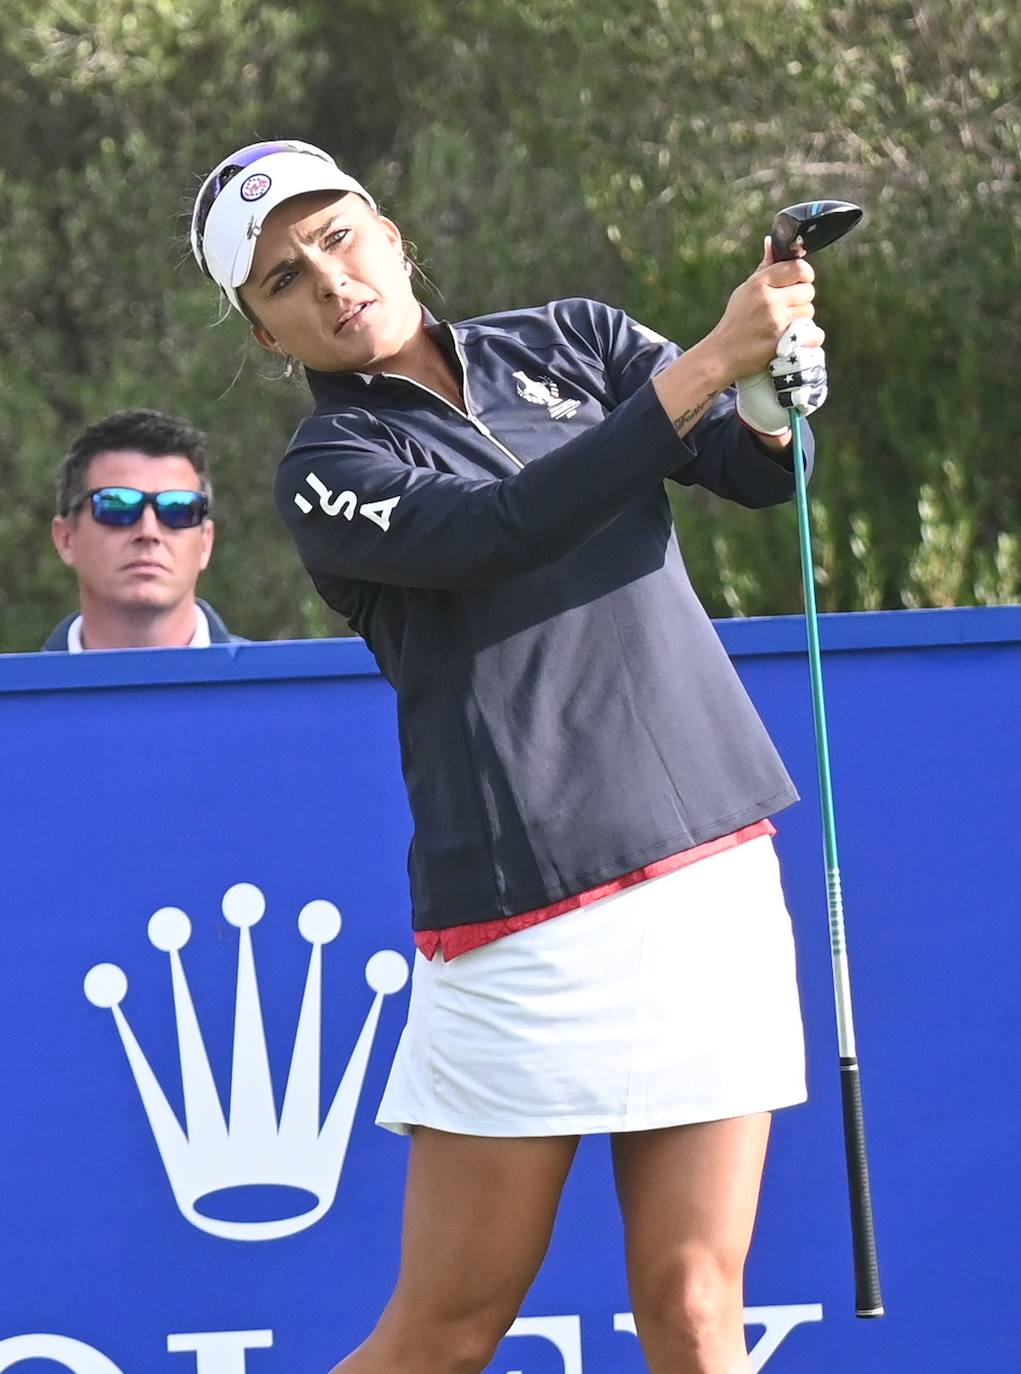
x=812 y=225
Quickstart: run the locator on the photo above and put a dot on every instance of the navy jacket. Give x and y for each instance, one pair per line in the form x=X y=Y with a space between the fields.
x=56 y=641
x=566 y=710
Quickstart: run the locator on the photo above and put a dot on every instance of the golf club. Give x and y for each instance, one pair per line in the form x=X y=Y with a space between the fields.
x=811 y=226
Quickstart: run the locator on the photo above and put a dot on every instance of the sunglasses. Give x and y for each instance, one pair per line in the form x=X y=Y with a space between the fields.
x=178 y=510
x=221 y=176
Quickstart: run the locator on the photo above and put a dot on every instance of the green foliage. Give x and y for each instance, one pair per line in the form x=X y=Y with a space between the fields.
x=685 y=131
x=534 y=149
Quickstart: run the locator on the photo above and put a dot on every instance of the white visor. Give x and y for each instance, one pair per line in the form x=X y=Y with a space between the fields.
x=225 y=245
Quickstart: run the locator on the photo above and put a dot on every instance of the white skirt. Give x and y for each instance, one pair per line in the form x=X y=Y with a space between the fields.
x=670 y=1002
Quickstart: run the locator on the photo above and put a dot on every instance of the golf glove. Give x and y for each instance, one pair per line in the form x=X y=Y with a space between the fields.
x=795 y=378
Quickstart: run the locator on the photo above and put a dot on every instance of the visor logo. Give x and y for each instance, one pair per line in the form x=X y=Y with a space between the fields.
x=255 y=187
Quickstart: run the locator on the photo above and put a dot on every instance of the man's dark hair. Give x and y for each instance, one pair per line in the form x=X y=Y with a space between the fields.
x=140 y=431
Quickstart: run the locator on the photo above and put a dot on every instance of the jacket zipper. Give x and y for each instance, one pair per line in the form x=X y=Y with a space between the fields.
x=467 y=414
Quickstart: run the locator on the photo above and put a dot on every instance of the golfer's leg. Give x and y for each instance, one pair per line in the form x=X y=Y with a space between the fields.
x=478 y=1214
x=688 y=1197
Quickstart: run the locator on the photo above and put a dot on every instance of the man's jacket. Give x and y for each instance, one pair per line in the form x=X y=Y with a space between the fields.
x=567 y=713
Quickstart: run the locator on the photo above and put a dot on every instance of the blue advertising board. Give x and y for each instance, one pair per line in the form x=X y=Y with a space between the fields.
x=204 y=946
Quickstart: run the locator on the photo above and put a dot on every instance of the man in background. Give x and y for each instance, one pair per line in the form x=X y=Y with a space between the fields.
x=133 y=521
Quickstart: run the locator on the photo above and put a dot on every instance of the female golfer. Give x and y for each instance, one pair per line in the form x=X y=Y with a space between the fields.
x=602 y=939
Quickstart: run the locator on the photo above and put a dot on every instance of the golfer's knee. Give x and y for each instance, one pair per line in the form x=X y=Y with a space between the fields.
x=466 y=1346
x=693 y=1302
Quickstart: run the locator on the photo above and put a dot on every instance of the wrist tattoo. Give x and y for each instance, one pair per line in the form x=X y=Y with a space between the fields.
x=685 y=421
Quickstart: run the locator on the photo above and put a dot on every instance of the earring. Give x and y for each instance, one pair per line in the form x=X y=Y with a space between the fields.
x=289 y=369
x=408 y=266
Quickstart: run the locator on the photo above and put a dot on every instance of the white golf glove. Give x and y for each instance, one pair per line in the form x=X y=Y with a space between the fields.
x=796 y=377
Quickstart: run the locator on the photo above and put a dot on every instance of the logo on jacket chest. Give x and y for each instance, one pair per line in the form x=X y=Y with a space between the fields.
x=545 y=392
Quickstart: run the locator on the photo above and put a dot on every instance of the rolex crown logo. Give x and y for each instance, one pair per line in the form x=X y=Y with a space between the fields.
x=218 y=1163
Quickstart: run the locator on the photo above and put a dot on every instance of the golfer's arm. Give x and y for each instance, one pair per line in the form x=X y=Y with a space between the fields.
x=687 y=388
x=420 y=526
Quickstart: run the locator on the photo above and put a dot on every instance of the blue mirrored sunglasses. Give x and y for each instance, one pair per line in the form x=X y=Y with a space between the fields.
x=178 y=510
x=219 y=178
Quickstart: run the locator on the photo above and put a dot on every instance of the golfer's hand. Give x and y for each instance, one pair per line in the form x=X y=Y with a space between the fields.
x=798 y=371
x=795 y=378
x=759 y=313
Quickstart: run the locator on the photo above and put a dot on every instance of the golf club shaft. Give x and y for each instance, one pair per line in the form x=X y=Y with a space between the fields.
x=868 y=1295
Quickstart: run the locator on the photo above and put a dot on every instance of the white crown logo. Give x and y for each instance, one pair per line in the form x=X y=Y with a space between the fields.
x=216 y=1164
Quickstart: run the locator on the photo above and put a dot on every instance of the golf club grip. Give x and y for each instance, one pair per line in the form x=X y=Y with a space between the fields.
x=868 y=1297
